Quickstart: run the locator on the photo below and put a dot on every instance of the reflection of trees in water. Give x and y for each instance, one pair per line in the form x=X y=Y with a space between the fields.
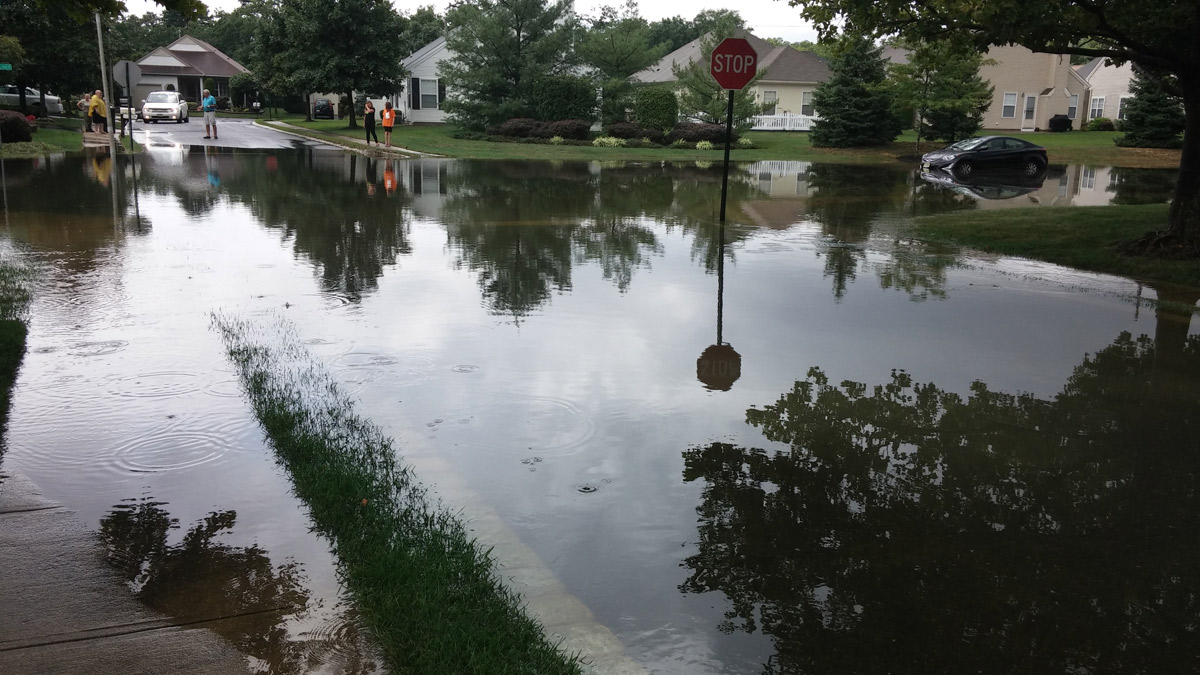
x=1141 y=186
x=235 y=591
x=911 y=529
x=916 y=268
x=845 y=200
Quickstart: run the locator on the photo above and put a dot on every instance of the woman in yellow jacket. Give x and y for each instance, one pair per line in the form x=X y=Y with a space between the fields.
x=387 y=117
x=98 y=111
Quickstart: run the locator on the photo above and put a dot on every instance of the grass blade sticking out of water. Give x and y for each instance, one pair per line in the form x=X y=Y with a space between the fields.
x=15 y=282
x=426 y=590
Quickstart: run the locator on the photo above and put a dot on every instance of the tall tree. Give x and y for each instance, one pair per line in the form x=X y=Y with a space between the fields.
x=940 y=86
x=673 y=31
x=855 y=103
x=59 y=49
x=502 y=49
x=424 y=26
x=1153 y=118
x=617 y=44
x=1160 y=37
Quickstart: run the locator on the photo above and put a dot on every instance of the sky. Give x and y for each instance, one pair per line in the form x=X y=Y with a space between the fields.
x=765 y=18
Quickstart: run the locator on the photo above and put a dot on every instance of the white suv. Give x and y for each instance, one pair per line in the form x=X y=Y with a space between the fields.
x=164 y=105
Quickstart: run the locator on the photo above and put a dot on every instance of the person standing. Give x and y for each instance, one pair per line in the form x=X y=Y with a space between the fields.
x=83 y=106
x=369 y=121
x=98 y=112
x=209 y=105
x=389 y=118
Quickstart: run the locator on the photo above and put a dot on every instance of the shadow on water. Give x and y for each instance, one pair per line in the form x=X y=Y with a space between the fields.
x=908 y=529
x=235 y=591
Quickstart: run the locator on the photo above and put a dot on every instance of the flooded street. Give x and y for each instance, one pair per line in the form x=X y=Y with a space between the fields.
x=798 y=443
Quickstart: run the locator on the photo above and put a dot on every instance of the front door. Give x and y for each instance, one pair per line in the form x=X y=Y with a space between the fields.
x=1029 y=115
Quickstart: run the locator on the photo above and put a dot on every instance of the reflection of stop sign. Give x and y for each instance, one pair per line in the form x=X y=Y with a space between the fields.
x=719 y=367
x=734 y=63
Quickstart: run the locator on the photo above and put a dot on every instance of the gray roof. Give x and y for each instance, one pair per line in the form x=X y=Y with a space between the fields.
x=781 y=64
x=896 y=55
x=211 y=62
x=422 y=53
x=1085 y=71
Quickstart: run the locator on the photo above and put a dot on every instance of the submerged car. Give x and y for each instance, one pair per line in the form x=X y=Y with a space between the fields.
x=988 y=152
x=989 y=185
x=10 y=97
x=169 y=106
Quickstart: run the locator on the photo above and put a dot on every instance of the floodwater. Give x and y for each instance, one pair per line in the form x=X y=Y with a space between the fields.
x=800 y=443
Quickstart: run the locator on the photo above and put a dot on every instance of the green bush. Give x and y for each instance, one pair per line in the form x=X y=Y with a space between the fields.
x=565 y=98
x=704 y=145
x=1101 y=124
x=680 y=144
x=518 y=127
x=556 y=140
x=609 y=142
x=579 y=130
x=14 y=128
x=656 y=108
x=695 y=132
x=745 y=142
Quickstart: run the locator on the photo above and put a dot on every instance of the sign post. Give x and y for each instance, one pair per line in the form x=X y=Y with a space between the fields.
x=127 y=74
x=734 y=65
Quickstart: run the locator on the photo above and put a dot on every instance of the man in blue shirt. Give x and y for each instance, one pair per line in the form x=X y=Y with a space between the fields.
x=209 y=105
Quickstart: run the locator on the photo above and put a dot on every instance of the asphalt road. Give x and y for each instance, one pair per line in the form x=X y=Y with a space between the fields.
x=231 y=133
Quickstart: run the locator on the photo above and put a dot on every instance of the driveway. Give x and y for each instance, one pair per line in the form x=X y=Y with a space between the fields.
x=232 y=133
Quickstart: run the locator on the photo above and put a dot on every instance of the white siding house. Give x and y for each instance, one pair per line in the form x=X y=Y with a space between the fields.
x=421 y=102
x=1110 y=88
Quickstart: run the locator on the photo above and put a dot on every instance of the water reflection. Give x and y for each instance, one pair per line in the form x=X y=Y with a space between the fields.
x=911 y=526
x=235 y=591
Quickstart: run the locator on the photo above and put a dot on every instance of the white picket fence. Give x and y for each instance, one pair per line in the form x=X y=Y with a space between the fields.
x=784 y=122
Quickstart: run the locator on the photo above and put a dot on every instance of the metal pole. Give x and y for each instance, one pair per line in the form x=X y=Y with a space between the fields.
x=721 y=282
x=128 y=95
x=112 y=145
x=728 y=137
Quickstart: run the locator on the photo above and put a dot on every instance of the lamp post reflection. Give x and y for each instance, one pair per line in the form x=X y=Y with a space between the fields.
x=719 y=366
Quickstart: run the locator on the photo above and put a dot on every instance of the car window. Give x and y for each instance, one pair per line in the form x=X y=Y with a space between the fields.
x=966 y=144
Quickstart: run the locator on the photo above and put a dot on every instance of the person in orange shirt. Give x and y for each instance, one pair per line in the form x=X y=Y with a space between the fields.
x=387 y=117
x=389 y=176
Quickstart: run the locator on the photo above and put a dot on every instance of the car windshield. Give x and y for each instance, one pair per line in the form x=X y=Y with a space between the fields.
x=160 y=98
x=966 y=144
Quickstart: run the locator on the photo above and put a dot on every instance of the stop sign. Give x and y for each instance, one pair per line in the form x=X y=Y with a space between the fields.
x=734 y=63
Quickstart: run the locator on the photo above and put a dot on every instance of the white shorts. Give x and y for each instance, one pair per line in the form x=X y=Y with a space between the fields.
x=210 y=117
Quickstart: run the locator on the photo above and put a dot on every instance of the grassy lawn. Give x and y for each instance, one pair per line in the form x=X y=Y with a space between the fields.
x=15 y=281
x=1092 y=147
x=1081 y=237
x=58 y=134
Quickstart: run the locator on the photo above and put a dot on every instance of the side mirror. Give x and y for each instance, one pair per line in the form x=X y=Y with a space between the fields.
x=143 y=101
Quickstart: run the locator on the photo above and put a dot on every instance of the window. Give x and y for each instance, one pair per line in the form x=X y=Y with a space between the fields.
x=1073 y=106
x=1097 y=107
x=806 y=106
x=429 y=94
x=1121 y=107
x=1010 y=104
x=1030 y=107
x=770 y=98
x=1087 y=179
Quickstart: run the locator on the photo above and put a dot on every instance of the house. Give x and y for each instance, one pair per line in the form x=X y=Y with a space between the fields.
x=1029 y=88
x=789 y=78
x=422 y=102
x=183 y=66
x=1109 y=86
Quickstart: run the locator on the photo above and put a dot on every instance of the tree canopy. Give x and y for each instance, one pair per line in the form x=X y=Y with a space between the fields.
x=940 y=90
x=1160 y=37
x=855 y=103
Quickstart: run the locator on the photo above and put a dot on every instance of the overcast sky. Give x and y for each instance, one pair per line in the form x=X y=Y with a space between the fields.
x=766 y=18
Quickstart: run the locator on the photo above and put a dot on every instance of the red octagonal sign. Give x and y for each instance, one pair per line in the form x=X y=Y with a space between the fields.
x=734 y=63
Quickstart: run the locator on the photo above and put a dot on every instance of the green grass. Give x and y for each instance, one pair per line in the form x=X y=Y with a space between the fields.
x=1081 y=237
x=426 y=590
x=15 y=281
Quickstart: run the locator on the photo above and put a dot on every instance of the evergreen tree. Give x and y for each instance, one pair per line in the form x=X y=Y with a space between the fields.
x=502 y=50
x=618 y=45
x=855 y=103
x=941 y=91
x=700 y=96
x=1153 y=118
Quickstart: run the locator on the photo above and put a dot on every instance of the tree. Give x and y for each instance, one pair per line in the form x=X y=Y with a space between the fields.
x=424 y=26
x=618 y=45
x=59 y=49
x=1160 y=37
x=941 y=88
x=1153 y=118
x=82 y=10
x=855 y=103
x=702 y=98
x=502 y=50
x=673 y=31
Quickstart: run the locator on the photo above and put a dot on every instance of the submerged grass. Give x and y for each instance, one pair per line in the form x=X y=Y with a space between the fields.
x=427 y=591
x=15 y=281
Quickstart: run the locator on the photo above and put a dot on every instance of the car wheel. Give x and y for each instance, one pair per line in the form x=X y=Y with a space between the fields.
x=964 y=167
x=1033 y=166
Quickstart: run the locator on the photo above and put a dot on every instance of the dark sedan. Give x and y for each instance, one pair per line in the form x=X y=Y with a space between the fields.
x=988 y=152
x=323 y=108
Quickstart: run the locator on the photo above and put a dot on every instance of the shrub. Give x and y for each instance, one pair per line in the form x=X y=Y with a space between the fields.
x=518 y=127
x=14 y=128
x=694 y=132
x=704 y=145
x=656 y=108
x=623 y=130
x=679 y=143
x=565 y=98
x=556 y=140
x=1101 y=124
x=223 y=103
x=745 y=142
x=576 y=129
x=646 y=141
x=609 y=142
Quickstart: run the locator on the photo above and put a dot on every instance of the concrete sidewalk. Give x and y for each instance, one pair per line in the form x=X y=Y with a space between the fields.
x=351 y=143
x=63 y=610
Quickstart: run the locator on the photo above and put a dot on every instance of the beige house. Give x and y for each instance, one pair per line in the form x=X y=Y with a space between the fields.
x=789 y=77
x=1109 y=86
x=1030 y=88
x=183 y=66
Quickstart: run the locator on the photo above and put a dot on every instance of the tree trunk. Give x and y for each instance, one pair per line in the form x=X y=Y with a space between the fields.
x=350 y=98
x=1184 y=222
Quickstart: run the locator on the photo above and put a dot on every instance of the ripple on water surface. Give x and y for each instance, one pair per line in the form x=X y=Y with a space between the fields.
x=549 y=426
x=182 y=445
x=356 y=370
